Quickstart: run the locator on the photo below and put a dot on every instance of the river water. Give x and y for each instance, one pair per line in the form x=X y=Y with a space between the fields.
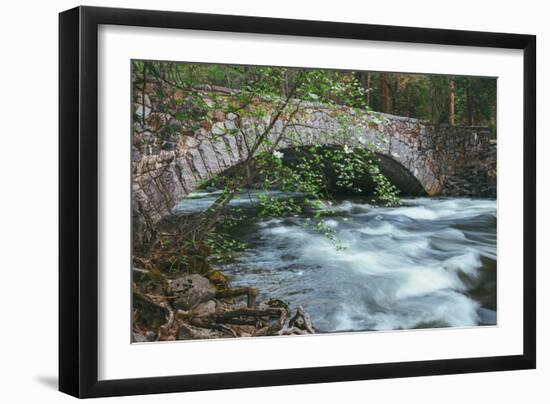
x=428 y=263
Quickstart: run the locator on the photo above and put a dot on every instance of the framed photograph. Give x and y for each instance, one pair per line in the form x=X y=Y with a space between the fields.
x=251 y=201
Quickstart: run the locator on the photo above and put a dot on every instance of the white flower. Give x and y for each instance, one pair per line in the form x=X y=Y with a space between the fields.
x=362 y=140
x=347 y=150
x=278 y=154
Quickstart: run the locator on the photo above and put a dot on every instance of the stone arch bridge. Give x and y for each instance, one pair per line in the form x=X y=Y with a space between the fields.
x=418 y=155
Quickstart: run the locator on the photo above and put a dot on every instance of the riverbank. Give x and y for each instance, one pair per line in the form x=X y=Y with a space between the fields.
x=179 y=306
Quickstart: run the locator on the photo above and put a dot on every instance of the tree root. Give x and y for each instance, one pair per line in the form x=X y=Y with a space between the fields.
x=156 y=319
x=244 y=291
x=302 y=321
x=168 y=331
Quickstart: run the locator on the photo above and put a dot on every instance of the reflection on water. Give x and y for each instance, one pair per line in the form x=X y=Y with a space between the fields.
x=428 y=263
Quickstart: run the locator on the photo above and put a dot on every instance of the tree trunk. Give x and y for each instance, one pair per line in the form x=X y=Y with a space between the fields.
x=367 y=79
x=469 y=103
x=284 y=83
x=385 y=93
x=364 y=79
x=451 y=101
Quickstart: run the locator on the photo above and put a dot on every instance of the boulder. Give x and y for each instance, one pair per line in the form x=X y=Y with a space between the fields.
x=190 y=291
x=204 y=309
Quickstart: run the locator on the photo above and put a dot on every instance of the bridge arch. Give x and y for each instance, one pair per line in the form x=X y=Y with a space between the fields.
x=398 y=175
x=392 y=168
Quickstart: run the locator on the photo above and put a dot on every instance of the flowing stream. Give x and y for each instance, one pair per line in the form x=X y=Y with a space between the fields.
x=428 y=263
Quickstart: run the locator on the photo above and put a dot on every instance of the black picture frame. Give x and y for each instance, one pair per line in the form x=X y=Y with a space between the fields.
x=78 y=201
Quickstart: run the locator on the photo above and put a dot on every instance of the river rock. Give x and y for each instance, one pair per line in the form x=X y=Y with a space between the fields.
x=190 y=291
x=244 y=330
x=186 y=331
x=204 y=309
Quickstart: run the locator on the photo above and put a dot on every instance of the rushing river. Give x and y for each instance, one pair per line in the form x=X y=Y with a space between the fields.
x=428 y=263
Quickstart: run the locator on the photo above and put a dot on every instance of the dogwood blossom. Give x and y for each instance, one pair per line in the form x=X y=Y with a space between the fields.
x=278 y=154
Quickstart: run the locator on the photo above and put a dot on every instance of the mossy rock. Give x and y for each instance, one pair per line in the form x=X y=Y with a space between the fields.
x=154 y=282
x=283 y=304
x=156 y=277
x=218 y=279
